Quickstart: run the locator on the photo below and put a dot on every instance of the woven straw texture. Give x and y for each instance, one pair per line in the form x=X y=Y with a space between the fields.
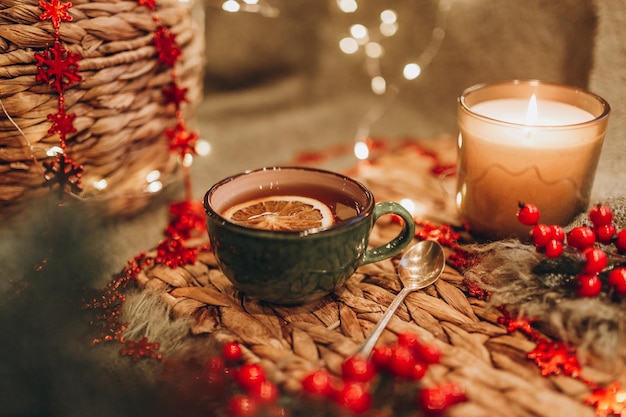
x=290 y=342
x=120 y=115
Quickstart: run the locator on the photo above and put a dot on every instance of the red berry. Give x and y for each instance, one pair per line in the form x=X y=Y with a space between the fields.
x=541 y=234
x=401 y=361
x=243 y=406
x=354 y=397
x=589 y=285
x=408 y=339
x=266 y=392
x=600 y=215
x=428 y=353
x=595 y=260
x=606 y=233
x=558 y=233
x=528 y=214
x=250 y=375
x=617 y=279
x=357 y=369
x=620 y=241
x=381 y=355
x=418 y=371
x=581 y=237
x=319 y=382
x=231 y=351
x=554 y=248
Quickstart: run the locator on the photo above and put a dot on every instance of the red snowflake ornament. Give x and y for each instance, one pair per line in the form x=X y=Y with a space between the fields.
x=62 y=123
x=608 y=401
x=175 y=95
x=58 y=67
x=141 y=349
x=554 y=358
x=62 y=171
x=55 y=11
x=512 y=323
x=166 y=46
x=181 y=140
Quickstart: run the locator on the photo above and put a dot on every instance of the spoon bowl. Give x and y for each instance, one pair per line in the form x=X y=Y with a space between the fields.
x=420 y=266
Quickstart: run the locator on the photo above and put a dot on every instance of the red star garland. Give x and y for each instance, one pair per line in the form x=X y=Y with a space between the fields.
x=188 y=218
x=181 y=140
x=166 y=46
x=62 y=123
x=55 y=11
x=173 y=94
x=58 y=68
x=63 y=172
x=150 y=4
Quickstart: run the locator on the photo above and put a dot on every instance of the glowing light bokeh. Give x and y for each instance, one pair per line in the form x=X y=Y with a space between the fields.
x=154 y=187
x=153 y=175
x=388 y=29
x=203 y=148
x=187 y=160
x=411 y=71
x=101 y=184
x=54 y=151
x=370 y=39
x=388 y=16
x=348 y=46
x=361 y=150
x=379 y=85
x=360 y=33
x=347 y=6
x=231 y=6
x=408 y=204
x=374 y=50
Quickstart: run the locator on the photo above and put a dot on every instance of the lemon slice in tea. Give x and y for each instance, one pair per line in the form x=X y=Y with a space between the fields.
x=281 y=213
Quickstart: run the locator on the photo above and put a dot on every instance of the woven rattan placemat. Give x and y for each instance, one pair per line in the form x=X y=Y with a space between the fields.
x=290 y=342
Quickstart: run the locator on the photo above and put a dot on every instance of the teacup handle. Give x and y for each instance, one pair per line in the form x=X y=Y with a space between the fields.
x=397 y=244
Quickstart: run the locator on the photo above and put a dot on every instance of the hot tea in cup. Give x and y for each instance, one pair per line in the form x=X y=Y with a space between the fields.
x=290 y=235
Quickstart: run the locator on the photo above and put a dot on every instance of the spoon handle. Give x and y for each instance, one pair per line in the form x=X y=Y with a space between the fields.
x=370 y=342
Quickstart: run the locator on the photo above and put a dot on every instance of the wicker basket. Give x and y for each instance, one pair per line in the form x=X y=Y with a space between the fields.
x=120 y=115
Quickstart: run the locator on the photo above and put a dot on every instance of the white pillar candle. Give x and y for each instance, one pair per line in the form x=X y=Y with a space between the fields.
x=530 y=142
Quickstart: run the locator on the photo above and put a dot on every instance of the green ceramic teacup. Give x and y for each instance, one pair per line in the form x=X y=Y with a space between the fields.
x=287 y=267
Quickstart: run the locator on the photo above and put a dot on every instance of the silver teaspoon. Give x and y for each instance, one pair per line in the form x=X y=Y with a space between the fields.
x=419 y=267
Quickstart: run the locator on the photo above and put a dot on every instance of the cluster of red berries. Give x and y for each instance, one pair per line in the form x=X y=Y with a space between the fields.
x=586 y=242
x=254 y=394
x=407 y=359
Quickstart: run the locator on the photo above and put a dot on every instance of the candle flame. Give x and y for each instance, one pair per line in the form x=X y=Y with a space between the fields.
x=532 y=114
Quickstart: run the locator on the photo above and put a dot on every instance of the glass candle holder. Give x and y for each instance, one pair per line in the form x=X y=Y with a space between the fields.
x=526 y=142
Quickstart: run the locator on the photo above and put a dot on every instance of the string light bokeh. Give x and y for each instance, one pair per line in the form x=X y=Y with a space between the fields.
x=371 y=40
